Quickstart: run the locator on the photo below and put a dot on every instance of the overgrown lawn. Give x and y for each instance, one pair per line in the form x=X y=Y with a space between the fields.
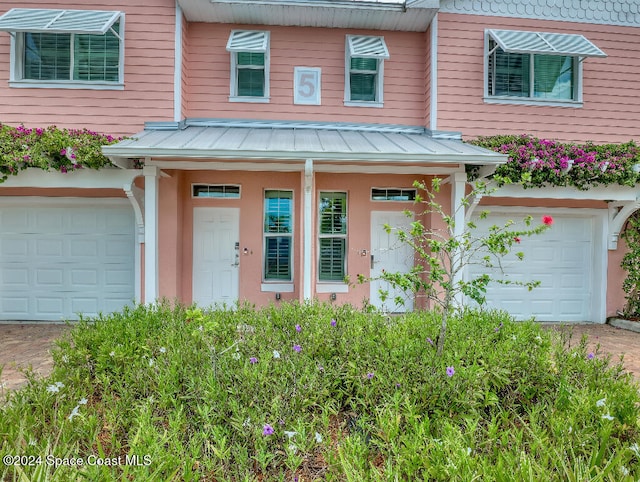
x=317 y=392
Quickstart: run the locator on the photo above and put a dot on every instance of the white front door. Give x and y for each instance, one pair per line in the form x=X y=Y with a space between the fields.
x=392 y=256
x=216 y=255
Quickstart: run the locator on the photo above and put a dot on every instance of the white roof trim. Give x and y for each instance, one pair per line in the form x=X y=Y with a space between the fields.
x=517 y=41
x=94 y=22
x=367 y=47
x=248 y=41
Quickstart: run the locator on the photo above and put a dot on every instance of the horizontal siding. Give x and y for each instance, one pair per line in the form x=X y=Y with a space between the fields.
x=611 y=97
x=148 y=91
x=208 y=68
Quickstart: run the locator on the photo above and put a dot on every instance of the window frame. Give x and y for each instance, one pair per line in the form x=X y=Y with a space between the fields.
x=224 y=187
x=408 y=190
x=576 y=102
x=233 y=81
x=280 y=283
x=16 y=76
x=344 y=236
x=379 y=87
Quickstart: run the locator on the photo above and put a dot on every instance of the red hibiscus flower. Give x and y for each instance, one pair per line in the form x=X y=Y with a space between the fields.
x=517 y=239
x=548 y=220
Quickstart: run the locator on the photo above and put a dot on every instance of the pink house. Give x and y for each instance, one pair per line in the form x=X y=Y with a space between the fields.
x=279 y=137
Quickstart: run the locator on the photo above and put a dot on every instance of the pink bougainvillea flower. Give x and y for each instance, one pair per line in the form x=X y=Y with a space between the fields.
x=548 y=220
x=517 y=239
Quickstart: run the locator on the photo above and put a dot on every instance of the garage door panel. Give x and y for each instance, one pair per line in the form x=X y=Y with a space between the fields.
x=58 y=261
x=79 y=248
x=13 y=247
x=49 y=248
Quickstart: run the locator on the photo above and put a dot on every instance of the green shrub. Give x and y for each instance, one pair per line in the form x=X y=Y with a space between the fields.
x=322 y=392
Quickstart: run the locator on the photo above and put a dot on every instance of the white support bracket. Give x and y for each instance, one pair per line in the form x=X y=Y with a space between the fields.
x=619 y=212
x=136 y=197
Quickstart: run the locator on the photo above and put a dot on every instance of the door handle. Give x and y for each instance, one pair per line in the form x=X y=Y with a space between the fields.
x=372 y=262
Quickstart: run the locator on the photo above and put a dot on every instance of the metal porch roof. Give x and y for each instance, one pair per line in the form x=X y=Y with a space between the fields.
x=252 y=140
x=95 y=22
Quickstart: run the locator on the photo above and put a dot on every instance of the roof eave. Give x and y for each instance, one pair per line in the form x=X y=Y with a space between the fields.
x=176 y=153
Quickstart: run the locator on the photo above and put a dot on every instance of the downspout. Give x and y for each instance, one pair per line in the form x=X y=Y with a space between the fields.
x=177 y=68
x=433 y=105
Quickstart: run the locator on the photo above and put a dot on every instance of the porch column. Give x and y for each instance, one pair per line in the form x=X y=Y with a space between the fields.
x=151 y=177
x=307 y=215
x=458 y=185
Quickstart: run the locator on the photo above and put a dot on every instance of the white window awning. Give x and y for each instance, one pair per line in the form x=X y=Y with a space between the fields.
x=516 y=41
x=94 y=22
x=367 y=47
x=248 y=41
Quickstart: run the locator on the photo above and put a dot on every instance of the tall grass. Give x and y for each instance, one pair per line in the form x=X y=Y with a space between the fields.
x=320 y=392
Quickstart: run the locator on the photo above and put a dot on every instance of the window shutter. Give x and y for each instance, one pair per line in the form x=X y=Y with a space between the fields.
x=332 y=257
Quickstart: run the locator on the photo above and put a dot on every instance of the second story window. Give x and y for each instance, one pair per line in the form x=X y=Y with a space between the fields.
x=249 y=66
x=364 y=71
x=536 y=67
x=65 y=48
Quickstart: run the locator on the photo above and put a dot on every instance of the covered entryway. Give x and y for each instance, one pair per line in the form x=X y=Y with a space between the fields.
x=389 y=254
x=569 y=260
x=60 y=257
x=216 y=255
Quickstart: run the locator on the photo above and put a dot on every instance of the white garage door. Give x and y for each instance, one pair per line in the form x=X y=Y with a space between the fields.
x=65 y=257
x=562 y=259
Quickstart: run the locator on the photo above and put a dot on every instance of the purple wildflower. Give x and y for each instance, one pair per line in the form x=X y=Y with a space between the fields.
x=267 y=430
x=370 y=375
x=297 y=348
x=334 y=322
x=298 y=328
x=430 y=341
x=450 y=371
x=253 y=360
x=590 y=356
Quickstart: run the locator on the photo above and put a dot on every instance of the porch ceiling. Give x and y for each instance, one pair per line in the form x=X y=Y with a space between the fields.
x=287 y=141
x=405 y=15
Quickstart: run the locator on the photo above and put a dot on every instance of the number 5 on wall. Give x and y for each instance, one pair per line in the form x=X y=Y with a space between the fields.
x=306 y=85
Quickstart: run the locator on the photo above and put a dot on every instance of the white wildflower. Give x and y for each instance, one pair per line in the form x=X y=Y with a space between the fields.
x=289 y=434
x=112 y=354
x=570 y=429
x=247 y=422
x=293 y=448
x=236 y=355
x=74 y=412
x=624 y=470
x=601 y=402
x=65 y=358
x=151 y=362
x=635 y=449
x=83 y=401
x=607 y=417
x=318 y=438
x=55 y=387
x=538 y=338
x=513 y=337
x=163 y=349
x=276 y=354
x=468 y=450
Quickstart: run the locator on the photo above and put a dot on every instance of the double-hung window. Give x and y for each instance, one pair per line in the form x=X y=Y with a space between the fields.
x=278 y=235
x=65 y=48
x=536 y=67
x=364 y=70
x=249 y=65
x=332 y=236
